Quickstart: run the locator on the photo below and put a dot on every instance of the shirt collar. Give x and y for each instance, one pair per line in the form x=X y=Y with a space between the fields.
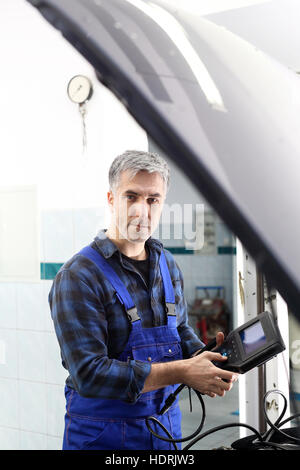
x=108 y=248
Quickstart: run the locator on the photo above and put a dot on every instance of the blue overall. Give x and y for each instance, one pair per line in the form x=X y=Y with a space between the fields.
x=103 y=424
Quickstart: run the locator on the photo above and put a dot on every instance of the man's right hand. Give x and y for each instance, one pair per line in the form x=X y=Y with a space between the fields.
x=197 y=372
x=202 y=375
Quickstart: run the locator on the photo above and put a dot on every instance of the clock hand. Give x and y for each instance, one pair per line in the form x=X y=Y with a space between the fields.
x=79 y=88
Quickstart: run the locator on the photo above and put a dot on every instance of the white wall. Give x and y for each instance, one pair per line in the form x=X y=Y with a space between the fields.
x=41 y=128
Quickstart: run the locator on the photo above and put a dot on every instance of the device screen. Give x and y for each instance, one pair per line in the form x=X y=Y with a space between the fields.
x=253 y=337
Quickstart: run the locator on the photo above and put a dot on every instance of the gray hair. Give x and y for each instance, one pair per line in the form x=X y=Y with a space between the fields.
x=135 y=161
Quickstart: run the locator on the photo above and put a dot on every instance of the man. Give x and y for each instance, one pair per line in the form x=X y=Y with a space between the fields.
x=121 y=321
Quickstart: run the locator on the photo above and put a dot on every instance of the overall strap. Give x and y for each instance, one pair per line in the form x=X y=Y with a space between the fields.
x=121 y=291
x=168 y=286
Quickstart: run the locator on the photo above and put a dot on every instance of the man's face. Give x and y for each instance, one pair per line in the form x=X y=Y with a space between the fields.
x=136 y=205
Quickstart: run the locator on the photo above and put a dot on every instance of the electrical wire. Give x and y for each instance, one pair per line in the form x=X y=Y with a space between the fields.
x=275 y=426
x=170 y=438
x=262 y=441
x=219 y=428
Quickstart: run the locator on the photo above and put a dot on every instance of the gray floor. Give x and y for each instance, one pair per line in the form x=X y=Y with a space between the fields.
x=219 y=410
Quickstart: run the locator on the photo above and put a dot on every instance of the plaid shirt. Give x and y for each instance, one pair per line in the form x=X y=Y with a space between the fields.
x=91 y=325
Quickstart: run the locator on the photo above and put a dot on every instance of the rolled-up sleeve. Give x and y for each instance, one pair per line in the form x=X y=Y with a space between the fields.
x=81 y=328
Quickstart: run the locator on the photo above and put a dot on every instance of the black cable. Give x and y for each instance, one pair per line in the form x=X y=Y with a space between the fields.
x=155 y=420
x=218 y=428
x=296 y=415
x=275 y=426
x=262 y=439
x=184 y=439
x=198 y=430
x=275 y=445
x=171 y=399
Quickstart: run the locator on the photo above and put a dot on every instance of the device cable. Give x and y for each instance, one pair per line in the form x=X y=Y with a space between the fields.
x=261 y=440
x=170 y=438
x=275 y=426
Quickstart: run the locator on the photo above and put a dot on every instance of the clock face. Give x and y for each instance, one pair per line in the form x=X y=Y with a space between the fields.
x=80 y=89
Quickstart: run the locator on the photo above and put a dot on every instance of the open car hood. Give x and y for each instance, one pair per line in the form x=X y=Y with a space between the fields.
x=223 y=111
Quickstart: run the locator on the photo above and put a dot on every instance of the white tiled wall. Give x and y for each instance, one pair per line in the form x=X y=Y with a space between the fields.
x=31 y=377
x=201 y=270
x=65 y=232
x=213 y=269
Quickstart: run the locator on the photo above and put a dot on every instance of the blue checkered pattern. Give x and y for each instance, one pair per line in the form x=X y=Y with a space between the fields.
x=92 y=327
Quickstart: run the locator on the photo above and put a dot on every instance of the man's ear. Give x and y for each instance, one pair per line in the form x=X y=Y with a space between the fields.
x=110 y=198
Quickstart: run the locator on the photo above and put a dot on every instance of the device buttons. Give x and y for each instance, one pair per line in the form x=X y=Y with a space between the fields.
x=235 y=352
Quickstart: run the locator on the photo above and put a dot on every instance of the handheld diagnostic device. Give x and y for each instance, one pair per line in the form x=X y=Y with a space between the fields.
x=246 y=347
x=251 y=344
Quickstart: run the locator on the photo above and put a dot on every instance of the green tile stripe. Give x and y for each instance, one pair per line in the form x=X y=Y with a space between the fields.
x=49 y=270
x=226 y=250
x=179 y=250
x=221 y=250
